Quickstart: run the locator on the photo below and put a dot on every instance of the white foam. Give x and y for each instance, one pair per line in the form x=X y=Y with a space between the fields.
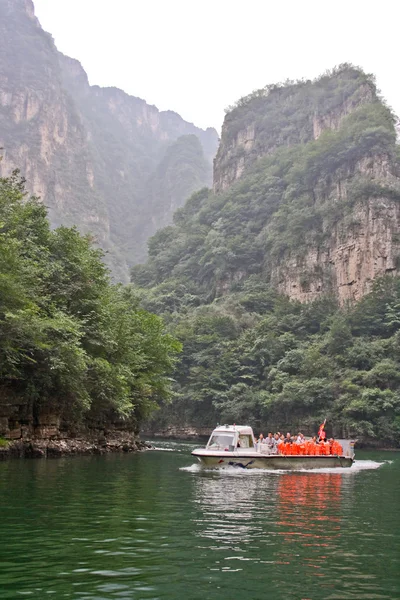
x=194 y=468
x=358 y=465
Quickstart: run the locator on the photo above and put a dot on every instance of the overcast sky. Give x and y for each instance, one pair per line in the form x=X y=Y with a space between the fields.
x=198 y=56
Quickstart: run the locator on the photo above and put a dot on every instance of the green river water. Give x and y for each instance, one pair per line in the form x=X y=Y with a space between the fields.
x=153 y=525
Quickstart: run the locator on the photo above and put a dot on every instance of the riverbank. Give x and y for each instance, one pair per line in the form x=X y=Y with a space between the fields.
x=56 y=448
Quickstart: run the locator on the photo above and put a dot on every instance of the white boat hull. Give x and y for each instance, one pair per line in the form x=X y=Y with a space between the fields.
x=254 y=460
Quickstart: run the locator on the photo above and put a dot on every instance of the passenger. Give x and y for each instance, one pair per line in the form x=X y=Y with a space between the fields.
x=324 y=447
x=288 y=438
x=314 y=444
x=310 y=447
x=301 y=440
x=271 y=443
x=317 y=447
x=336 y=448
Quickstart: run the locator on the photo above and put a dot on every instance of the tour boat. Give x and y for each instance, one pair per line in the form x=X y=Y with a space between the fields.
x=235 y=445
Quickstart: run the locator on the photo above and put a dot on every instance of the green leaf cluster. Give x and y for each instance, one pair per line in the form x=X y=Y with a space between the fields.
x=260 y=358
x=70 y=342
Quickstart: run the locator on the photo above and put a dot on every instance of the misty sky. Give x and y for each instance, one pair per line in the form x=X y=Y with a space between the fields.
x=198 y=57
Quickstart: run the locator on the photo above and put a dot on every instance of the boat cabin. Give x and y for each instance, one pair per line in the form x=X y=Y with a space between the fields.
x=230 y=437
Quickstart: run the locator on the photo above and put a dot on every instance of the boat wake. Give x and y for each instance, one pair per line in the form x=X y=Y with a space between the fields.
x=359 y=465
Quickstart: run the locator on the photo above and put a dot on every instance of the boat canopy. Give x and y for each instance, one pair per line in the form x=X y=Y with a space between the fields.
x=228 y=437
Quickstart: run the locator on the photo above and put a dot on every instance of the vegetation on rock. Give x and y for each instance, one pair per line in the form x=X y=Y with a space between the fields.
x=71 y=343
x=253 y=355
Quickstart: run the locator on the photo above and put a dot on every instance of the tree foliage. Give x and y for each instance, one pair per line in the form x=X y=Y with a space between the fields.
x=71 y=342
x=291 y=365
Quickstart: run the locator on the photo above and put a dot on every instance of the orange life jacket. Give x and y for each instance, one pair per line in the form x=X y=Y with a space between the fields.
x=337 y=448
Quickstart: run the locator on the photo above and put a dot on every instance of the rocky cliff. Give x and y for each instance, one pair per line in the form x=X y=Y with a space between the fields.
x=305 y=208
x=91 y=154
x=343 y=255
x=359 y=247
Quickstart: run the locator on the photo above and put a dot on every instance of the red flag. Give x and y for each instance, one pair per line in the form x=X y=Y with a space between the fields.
x=321 y=432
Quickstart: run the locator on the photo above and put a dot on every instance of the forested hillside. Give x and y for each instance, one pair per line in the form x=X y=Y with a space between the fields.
x=96 y=156
x=259 y=278
x=75 y=351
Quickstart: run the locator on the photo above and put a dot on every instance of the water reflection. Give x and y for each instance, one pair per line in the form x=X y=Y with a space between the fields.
x=275 y=519
x=234 y=508
x=308 y=517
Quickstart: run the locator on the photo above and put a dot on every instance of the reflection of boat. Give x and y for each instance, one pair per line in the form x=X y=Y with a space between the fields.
x=234 y=445
x=309 y=519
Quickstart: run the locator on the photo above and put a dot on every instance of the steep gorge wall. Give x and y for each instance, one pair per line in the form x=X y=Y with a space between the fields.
x=40 y=129
x=358 y=249
x=89 y=153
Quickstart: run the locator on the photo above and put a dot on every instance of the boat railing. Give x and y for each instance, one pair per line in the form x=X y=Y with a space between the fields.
x=348 y=447
x=265 y=449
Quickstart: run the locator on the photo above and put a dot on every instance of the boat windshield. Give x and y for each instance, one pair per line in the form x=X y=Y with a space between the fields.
x=220 y=441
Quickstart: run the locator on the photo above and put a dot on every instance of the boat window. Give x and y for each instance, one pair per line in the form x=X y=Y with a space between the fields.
x=220 y=441
x=246 y=441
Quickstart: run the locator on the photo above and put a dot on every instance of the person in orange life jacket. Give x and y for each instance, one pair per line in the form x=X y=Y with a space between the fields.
x=336 y=448
x=325 y=447
x=310 y=446
x=301 y=440
x=281 y=443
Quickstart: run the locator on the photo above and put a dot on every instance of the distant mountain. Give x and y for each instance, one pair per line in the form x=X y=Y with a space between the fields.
x=96 y=156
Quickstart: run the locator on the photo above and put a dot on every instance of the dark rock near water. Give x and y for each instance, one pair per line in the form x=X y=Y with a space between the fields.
x=56 y=448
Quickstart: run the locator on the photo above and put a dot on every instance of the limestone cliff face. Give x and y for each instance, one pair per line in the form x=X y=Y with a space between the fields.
x=232 y=157
x=130 y=140
x=249 y=131
x=364 y=243
x=361 y=247
x=88 y=152
x=40 y=131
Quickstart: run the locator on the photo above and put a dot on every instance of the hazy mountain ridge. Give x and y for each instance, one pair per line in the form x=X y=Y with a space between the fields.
x=90 y=153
